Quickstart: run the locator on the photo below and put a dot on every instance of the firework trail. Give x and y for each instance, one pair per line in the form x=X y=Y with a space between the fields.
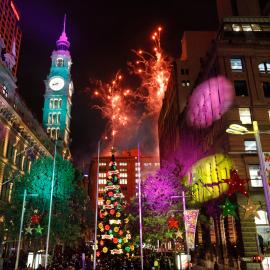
x=154 y=71
x=114 y=103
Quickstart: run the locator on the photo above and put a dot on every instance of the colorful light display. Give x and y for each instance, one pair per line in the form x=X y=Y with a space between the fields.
x=113 y=235
x=209 y=101
x=228 y=208
x=154 y=71
x=190 y=219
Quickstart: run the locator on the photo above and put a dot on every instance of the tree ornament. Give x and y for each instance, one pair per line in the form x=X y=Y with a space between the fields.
x=98 y=253
x=110 y=194
x=132 y=247
x=118 y=214
x=169 y=234
x=115 y=240
x=173 y=223
x=107 y=227
x=127 y=249
x=120 y=232
x=105 y=250
x=250 y=209
x=125 y=240
x=116 y=229
x=100 y=225
x=28 y=230
x=101 y=242
x=120 y=240
x=112 y=212
x=236 y=184
x=39 y=229
x=228 y=208
x=108 y=202
x=35 y=218
x=119 y=246
x=179 y=234
x=110 y=231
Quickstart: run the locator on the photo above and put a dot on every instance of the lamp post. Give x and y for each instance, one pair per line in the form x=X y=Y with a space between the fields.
x=241 y=130
x=96 y=212
x=50 y=209
x=21 y=227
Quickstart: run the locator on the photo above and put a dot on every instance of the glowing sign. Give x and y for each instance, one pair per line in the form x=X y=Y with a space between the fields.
x=190 y=217
x=15 y=11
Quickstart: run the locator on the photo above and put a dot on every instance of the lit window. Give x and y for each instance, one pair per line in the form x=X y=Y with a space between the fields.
x=122 y=164
x=236 y=27
x=102 y=175
x=255 y=27
x=269 y=114
x=123 y=174
x=246 y=27
x=255 y=178
x=245 y=115
x=264 y=67
x=227 y=27
x=183 y=83
x=102 y=164
x=188 y=83
x=266 y=89
x=51 y=104
x=250 y=145
x=263 y=218
x=236 y=64
x=240 y=87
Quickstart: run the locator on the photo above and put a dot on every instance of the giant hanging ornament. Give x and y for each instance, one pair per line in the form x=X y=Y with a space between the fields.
x=39 y=229
x=228 y=208
x=236 y=184
x=28 y=230
x=173 y=223
x=250 y=209
x=35 y=219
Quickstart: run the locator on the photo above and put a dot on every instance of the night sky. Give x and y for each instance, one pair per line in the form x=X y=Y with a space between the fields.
x=102 y=35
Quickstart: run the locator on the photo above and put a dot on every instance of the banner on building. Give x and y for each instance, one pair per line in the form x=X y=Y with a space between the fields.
x=267 y=165
x=190 y=218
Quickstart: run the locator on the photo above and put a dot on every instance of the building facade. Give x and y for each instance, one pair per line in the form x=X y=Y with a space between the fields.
x=58 y=95
x=238 y=52
x=10 y=31
x=129 y=172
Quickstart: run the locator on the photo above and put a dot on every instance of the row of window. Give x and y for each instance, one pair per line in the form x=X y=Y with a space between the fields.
x=241 y=89
x=237 y=64
x=54 y=133
x=54 y=118
x=55 y=103
x=123 y=181
x=245 y=115
x=246 y=27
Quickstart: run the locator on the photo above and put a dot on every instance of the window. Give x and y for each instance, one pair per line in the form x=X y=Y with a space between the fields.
x=250 y=145
x=236 y=64
x=246 y=27
x=256 y=27
x=122 y=164
x=245 y=115
x=102 y=175
x=51 y=104
x=264 y=67
x=255 y=178
x=240 y=87
x=269 y=114
x=59 y=62
x=236 y=27
x=266 y=89
x=188 y=83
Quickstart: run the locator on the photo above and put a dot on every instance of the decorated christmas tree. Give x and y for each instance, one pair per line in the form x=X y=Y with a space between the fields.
x=113 y=236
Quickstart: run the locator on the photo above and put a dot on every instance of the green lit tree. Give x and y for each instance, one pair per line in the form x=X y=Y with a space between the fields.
x=70 y=207
x=114 y=238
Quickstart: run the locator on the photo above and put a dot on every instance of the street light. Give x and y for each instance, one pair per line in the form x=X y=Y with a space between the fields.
x=21 y=227
x=241 y=130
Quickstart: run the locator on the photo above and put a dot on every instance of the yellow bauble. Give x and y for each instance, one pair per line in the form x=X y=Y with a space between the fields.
x=125 y=240
x=132 y=247
x=100 y=225
x=108 y=201
x=116 y=229
x=119 y=246
x=118 y=214
x=102 y=229
x=105 y=250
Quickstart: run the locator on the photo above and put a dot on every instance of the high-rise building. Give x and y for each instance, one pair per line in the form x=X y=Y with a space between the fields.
x=10 y=30
x=58 y=94
x=240 y=53
x=129 y=172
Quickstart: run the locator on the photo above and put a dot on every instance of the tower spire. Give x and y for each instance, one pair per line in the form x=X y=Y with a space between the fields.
x=62 y=43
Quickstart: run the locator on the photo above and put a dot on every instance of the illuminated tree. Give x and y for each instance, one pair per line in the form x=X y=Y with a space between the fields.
x=69 y=201
x=114 y=238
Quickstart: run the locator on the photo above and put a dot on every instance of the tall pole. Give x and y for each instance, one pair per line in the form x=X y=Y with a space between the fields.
x=96 y=213
x=20 y=234
x=140 y=208
x=262 y=168
x=50 y=210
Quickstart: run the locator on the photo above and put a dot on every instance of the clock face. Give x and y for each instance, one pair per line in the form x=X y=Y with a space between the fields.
x=56 y=83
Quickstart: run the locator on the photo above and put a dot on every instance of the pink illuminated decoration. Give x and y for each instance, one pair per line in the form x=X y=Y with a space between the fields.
x=209 y=101
x=15 y=11
x=190 y=218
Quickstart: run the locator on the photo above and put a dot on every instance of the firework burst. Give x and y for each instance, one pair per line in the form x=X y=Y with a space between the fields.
x=114 y=103
x=154 y=71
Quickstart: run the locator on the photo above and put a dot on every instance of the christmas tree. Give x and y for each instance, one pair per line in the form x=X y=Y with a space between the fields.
x=113 y=236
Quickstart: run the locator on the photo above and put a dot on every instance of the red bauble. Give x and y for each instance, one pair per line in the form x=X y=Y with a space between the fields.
x=112 y=211
x=120 y=232
x=35 y=219
x=115 y=240
x=98 y=253
x=101 y=215
x=101 y=242
x=115 y=203
x=173 y=223
x=107 y=227
x=236 y=184
x=110 y=194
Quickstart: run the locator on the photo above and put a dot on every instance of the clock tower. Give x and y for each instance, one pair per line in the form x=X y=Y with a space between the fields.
x=58 y=95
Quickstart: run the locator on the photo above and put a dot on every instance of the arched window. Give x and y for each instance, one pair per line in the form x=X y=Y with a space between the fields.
x=264 y=67
x=59 y=62
x=51 y=103
x=55 y=103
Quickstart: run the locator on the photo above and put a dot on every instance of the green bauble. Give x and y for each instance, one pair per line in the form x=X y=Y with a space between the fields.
x=127 y=249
